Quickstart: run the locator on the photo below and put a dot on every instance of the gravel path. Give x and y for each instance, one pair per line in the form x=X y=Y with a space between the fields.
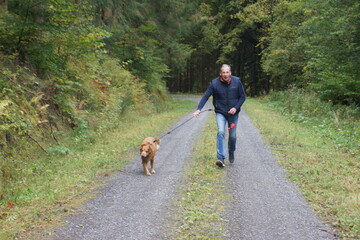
x=264 y=204
x=133 y=206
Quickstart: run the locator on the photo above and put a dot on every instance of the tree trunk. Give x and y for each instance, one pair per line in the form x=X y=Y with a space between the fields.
x=3 y=5
x=107 y=14
x=39 y=18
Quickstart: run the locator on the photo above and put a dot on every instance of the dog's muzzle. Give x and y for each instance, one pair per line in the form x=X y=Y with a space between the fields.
x=144 y=154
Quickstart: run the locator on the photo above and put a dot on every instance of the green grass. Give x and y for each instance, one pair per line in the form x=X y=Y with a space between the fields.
x=338 y=123
x=200 y=202
x=328 y=176
x=48 y=186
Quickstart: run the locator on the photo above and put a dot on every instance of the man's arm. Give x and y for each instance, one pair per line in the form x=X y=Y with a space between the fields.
x=242 y=96
x=203 y=100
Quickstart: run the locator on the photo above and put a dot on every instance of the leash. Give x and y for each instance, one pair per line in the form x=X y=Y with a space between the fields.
x=169 y=132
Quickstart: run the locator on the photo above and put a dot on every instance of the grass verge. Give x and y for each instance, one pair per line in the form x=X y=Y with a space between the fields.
x=328 y=177
x=198 y=214
x=55 y=184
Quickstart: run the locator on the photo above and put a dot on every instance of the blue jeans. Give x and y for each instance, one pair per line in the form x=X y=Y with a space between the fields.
x=221 y=121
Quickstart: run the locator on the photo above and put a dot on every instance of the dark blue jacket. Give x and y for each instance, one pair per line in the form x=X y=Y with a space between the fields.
x=225 y=96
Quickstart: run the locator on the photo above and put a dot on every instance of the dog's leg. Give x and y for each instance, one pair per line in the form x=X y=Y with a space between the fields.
x=145 y=166
x=152 y=165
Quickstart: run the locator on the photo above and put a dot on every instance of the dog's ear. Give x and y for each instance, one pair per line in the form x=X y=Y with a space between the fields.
x=156 y=140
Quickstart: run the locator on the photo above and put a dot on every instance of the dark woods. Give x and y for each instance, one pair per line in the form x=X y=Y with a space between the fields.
x=274 y=45
x=271 y=45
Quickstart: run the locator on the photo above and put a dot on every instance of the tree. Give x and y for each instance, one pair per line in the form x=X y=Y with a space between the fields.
x=330 y=35
x=283 y=56
x=276 y=44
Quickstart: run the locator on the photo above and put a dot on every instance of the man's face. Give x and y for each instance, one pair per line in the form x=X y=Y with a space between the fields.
x=225 y=73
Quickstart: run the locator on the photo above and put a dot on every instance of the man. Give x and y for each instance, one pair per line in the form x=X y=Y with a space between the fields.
x=228 y=97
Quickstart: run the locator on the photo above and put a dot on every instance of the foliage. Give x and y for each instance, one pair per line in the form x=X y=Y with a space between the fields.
x=315 y=44
x=338 y=123
x=284 y=58
x=272 y=45
x=330 y=34
x=150 y=43
x=17 y=114
x=86 y=55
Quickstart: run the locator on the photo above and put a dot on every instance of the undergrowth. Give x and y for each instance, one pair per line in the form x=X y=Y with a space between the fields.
x=338 y=123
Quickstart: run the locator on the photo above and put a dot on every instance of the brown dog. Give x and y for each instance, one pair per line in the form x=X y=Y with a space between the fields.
x=148 y=149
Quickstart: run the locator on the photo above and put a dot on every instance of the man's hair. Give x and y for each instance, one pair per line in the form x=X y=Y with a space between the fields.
x=226 y=66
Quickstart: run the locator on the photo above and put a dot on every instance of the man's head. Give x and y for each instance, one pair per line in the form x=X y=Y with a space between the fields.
x=225 y=72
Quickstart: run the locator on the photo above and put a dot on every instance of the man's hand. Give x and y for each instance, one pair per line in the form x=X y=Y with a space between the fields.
x=232 y=111
x=196 y=113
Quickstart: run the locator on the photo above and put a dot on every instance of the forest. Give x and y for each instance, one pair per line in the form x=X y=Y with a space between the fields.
x=60 y=57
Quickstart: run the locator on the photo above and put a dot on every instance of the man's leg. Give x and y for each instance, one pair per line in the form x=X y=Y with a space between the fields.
x=232 y=136
x=221 y=151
